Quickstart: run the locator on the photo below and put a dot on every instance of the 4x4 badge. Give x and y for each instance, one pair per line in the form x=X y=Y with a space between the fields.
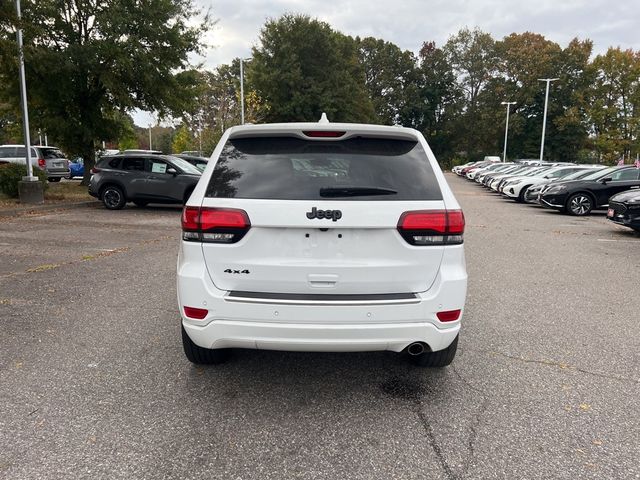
x=332 y=214
x=228 y=270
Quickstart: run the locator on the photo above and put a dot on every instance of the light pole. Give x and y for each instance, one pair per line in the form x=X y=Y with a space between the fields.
x=506 y=130
x=544 y=117
x=242 y=89
x=150 y=137
x=23 y=100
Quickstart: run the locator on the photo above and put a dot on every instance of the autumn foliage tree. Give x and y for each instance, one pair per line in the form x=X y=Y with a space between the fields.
x=88 y=62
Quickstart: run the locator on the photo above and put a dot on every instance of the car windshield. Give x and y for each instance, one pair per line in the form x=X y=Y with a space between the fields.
x=185 y=166
x=579 y=174
x=600 y=173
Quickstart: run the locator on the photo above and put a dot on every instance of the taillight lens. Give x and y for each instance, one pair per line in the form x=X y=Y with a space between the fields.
x=95 y=170
x=449 y=315
x=432 y=227
x=42 y=163
x=214 y=225
x=197 y=313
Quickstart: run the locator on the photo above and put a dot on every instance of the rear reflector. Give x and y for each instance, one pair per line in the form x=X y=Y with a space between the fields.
x=432 y=227
x=448 y=316
x=197 y=313
x=323 y=134
x=214 y=225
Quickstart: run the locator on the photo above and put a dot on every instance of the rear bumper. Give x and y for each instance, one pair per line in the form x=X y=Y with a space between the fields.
x=319 y=327
x=57 y=173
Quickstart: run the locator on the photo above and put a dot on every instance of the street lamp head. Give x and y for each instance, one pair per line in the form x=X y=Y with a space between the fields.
x=507 y=103
x=548 y=79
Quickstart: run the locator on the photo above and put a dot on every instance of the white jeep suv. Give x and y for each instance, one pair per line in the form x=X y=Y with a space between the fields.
x=322 y=237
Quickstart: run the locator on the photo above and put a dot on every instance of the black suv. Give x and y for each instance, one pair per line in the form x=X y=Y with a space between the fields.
x=579 y=197
x=142 y=179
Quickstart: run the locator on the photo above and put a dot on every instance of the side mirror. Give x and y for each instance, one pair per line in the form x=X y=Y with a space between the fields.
x=172 y=171
x=605 y=180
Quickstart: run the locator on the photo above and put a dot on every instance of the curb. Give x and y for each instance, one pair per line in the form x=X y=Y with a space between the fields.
x=43 y=208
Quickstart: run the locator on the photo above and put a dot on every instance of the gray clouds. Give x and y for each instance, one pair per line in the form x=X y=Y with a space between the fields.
x=408 y=23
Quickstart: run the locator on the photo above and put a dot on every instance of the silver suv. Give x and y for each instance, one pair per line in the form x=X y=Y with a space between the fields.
x=49 y=159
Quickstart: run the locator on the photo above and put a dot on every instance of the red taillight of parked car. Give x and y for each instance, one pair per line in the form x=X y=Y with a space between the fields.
x=95 y=170
x=41 y=163
x=214 y=225
x=196 y=313
x=432 y=227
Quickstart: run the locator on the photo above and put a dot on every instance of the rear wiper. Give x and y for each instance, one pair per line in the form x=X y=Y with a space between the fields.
x=355 y=191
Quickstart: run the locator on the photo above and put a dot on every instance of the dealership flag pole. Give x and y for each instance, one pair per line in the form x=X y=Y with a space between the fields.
x=23 y=100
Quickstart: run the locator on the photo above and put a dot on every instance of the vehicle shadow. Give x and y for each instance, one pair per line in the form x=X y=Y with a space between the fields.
x=303 y=378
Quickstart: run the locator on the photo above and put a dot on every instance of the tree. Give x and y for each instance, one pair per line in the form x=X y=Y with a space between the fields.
x=182 y=140
x=472 y=54
x=615 y=103
x=90 y=61
x=391 y=79
x=440 y=101
x=302 y=67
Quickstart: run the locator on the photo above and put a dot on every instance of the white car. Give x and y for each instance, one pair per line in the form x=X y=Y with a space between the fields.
x=322 y=237
x=518 y=186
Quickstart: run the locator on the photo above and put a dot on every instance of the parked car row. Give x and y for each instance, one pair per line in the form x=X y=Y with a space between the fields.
x=569 y=188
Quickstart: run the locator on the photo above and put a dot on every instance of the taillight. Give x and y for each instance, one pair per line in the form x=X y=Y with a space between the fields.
x=95 y=170
x=323 y=133
x=197 y=313
x=448 y=316
x=214 y=225
x=41 y=163
x=432 y=227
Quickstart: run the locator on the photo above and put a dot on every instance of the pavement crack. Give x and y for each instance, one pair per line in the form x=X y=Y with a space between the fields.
x=566 y=366
x=473 y=428
x=433 y=443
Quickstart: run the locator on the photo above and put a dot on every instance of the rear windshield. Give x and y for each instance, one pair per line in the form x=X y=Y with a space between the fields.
x=51 y=153
x=286 y=168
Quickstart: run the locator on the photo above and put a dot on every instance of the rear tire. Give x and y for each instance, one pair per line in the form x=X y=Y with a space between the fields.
x=113 y=197
x=438 y=359
x=202 y=356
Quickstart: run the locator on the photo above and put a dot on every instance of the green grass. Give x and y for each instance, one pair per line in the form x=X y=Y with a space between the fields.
x=63 y=192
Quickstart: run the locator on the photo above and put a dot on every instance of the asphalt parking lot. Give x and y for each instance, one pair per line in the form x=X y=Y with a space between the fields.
x=94 y=384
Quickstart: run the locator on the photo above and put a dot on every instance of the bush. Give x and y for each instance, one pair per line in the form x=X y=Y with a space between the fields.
x=12 y=173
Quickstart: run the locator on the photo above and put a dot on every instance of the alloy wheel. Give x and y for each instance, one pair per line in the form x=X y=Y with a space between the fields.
x=111 y=197
x=580 y=205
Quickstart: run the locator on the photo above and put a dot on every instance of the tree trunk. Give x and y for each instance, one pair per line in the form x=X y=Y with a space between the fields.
x=89 y=158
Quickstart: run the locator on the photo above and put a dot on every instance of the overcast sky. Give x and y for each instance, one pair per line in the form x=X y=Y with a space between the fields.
x=408 y=23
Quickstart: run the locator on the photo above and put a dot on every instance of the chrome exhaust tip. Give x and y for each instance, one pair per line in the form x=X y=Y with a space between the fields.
x=416 y=348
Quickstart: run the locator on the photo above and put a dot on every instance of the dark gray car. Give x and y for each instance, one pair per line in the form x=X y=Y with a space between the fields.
x=142 y=179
